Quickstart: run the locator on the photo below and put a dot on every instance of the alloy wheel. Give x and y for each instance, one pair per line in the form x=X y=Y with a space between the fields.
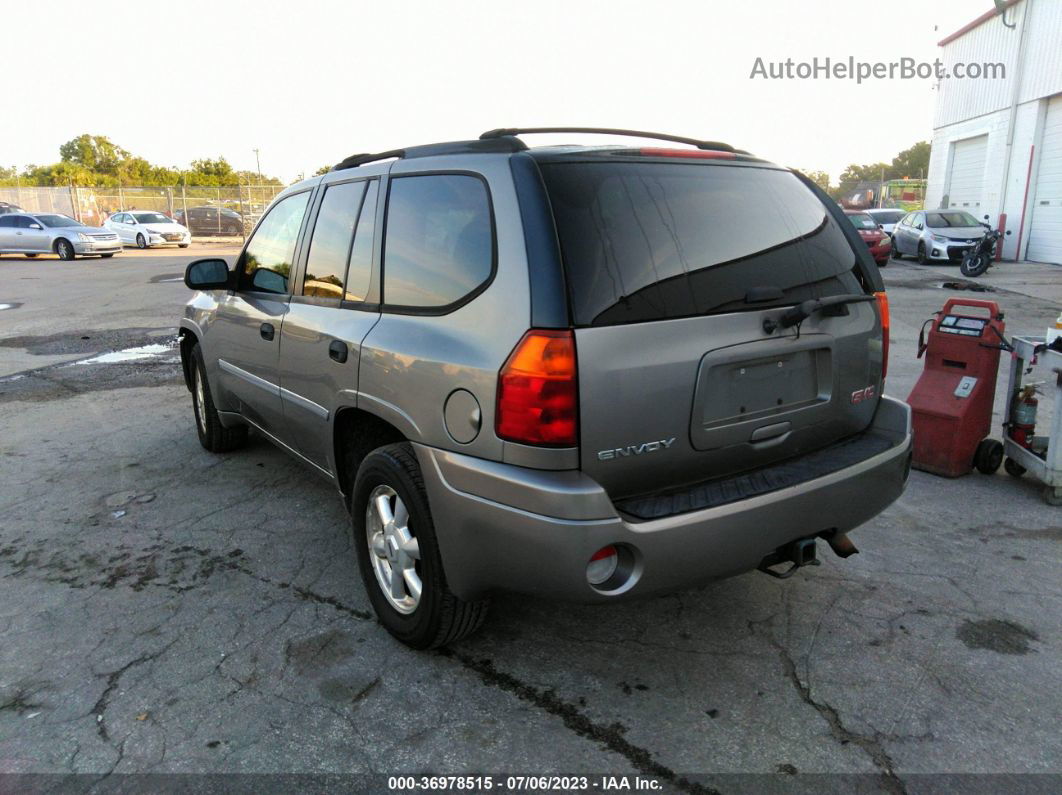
x=393 y=549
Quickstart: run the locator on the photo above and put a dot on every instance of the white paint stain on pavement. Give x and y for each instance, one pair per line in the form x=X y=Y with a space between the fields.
x=129 y=354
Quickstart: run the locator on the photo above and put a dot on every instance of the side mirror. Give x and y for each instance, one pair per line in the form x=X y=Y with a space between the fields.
x=1008 y=231
x=881 y=226
x=35 y=226
x=207 y=274
x=986 y=217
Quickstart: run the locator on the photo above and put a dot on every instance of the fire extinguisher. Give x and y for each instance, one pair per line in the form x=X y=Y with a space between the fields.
x=1023 y=416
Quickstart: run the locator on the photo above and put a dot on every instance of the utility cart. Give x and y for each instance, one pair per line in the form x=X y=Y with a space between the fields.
x=1040 y=456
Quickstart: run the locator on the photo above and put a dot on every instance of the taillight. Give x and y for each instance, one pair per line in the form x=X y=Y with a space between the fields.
x=537 y=391
x=883 y=309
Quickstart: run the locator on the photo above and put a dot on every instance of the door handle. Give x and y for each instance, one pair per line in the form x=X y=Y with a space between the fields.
x=337 y=351
x=267 y=331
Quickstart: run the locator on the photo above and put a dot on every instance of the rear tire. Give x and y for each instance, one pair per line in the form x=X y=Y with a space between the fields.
x=183 y=245
x=64 y=249
x=31 y=256
x=403 y=550
x=214 y=436
x=989 y=456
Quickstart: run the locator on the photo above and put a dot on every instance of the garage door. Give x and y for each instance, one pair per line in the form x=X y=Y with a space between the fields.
x=1045 y=229
x=967 y=173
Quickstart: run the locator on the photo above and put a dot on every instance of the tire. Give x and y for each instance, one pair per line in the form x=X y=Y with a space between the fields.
x=214 y=436
x=233 y=231
x=989 y=456
x=436 y=617
x=64 y=249
x=106 y=256
x=922 y=260
x=1014 y=469
x=183 y=245
x=31 y=256
x=141 y=242
x=883 y=263
x=974 y=265
x=1052 y=496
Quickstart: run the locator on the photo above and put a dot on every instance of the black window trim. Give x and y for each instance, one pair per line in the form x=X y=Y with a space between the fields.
x=446 y=309
x=304 y=255
x=238 y=268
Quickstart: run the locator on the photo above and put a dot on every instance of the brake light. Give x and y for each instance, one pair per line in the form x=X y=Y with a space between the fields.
x=699 y=154
x=538 y=399
x=883 y=309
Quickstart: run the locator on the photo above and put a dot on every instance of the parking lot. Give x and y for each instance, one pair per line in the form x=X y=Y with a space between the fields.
x=165 y=610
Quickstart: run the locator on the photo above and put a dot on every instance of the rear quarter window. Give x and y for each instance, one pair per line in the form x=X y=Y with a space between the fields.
x=654 y=241
x=439 y=241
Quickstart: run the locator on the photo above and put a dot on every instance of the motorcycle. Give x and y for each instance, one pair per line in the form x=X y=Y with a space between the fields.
x=979 y=258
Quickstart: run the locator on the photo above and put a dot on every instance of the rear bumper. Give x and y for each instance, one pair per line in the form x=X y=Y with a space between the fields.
x=502 y=527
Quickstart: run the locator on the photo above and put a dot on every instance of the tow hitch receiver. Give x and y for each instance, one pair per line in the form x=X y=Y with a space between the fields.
x=799 y=553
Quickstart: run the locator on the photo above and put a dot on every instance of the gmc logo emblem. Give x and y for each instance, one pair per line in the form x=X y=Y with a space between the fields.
x=863 y=394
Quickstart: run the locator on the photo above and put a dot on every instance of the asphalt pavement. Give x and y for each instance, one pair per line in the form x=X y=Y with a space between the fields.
x=165 y=610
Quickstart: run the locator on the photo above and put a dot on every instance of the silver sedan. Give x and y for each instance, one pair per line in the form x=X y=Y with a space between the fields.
x=935 y=235
x=43 y=233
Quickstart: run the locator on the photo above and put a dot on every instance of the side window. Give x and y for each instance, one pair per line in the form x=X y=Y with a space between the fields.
x=267 y=259
x=439 y=241
x=25 y=222
x=333 y=231
x=7 y=220
x=360 y=271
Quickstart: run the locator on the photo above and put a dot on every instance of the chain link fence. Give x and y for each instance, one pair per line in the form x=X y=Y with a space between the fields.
x=228 y=211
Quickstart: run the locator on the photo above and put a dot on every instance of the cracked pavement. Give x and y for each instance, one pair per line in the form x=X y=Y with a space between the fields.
x=164 y=610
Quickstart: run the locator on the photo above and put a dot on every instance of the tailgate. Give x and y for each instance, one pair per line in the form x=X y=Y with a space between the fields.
x=681 y=401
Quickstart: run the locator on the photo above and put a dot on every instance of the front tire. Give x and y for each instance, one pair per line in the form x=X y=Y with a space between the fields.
x=922 y=259
x=214 y=436
x=141 y=241
x=106 y=256
x=398 y=554
x=183 y=245
x=974 y=265
x=31 y=256
x=64 y=249
x=989 y=456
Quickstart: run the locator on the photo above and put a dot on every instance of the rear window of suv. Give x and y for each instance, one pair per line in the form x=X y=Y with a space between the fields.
x=654 y=241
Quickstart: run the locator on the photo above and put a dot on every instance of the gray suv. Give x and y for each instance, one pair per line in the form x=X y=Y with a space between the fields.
x=578 y=372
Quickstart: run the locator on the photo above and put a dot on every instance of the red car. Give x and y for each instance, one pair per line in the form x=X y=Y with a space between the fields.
x=880 y=244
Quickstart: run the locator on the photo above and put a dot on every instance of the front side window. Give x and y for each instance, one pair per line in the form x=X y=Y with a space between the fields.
x=266 y=263
x=326 y=264
x=26 y=222
x=439 y=240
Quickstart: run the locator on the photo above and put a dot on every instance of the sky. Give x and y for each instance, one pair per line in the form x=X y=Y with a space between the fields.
x=308 y=82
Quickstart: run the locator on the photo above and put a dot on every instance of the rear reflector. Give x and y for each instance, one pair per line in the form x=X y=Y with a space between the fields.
x=538 y=392
x=883 y=309
x=698 y=154
x=602 y=565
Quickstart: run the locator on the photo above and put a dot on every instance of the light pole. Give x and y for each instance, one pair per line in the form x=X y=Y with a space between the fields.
x=259 y=164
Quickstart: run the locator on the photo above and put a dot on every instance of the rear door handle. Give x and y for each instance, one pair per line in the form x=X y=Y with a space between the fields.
x=337 y=351
x=267 y=331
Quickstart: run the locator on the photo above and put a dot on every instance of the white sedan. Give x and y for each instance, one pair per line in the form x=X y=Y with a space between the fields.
x=144 y=229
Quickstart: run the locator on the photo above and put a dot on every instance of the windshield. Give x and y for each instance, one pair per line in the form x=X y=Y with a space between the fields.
x=57 y=220
x=887 y=216
x=652 y=241
x=956 y=218
x=863 y=221
x=152 y=218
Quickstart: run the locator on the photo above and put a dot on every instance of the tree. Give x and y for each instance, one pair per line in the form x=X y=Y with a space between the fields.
x=94 y=152
x=913 y=162
x=322 y=170
x=820 y=178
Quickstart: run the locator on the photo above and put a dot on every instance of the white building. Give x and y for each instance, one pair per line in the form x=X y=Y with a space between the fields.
x=997 y=143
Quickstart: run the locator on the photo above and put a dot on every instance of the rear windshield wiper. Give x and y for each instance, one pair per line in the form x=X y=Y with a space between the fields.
x=796 y=315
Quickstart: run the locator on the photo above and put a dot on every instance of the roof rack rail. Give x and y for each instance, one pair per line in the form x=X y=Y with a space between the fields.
x=507 y=132
x=482 y=146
